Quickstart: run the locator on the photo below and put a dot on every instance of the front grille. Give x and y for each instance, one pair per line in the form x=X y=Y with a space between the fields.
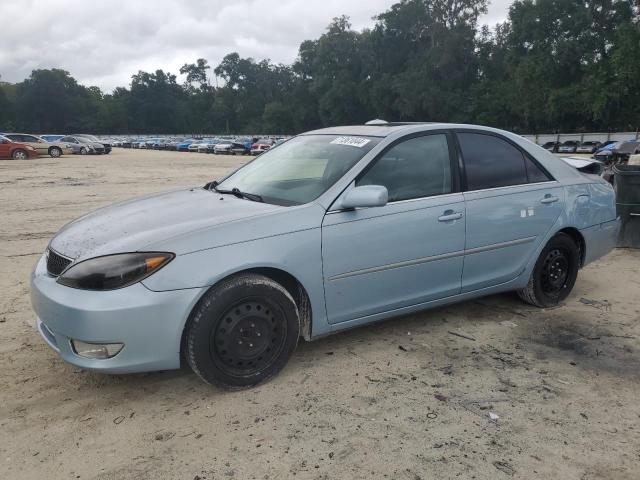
x=56 y=263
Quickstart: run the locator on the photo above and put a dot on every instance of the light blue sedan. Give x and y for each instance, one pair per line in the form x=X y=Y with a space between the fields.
x=333 y=229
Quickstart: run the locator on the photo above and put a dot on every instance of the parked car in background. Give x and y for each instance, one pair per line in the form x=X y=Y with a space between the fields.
x=183 y=146
x=51 y=138
x=83 y=146
x=589 y=146
x=53 y=149
x=205 y=144
x=93 y=138
x=569 y=146
x=224 y=147
x=212 y=144
x=551 y=146
x=261 y=146
x=193 y=148
x=241 y=146
x=617 y=152
x=16 y=150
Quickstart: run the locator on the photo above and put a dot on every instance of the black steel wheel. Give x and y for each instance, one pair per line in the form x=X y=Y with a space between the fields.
x=250 y=337
x=242 y=331
x=554 y=274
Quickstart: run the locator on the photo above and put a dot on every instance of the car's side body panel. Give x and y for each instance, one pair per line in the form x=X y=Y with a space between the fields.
x=378 y=259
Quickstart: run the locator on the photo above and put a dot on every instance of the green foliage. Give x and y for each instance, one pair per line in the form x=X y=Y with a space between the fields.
x=570 y=65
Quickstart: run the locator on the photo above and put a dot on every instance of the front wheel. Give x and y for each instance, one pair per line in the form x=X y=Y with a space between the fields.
x=19 y=155
x=83 y=151
x=55 y=152
x=242 y=332
x=554 y=274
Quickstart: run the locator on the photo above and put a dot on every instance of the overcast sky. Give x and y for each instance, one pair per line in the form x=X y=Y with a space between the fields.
x=104 y=42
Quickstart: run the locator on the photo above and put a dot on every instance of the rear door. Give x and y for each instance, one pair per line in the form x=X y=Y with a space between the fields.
x=512 y=203
x=407 y=252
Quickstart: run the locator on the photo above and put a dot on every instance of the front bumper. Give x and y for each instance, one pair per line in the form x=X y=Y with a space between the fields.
x=149 y=323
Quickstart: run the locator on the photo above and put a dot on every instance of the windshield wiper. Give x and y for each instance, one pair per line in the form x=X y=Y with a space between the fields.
x=254 y=197
x=234 y=191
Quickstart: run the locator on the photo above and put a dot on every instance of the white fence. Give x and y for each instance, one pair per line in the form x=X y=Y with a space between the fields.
x=583 y=137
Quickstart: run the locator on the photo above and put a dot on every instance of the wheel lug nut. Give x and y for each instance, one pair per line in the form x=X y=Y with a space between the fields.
x=253 y=325
x=239 y=342
x=258 y=334
x=251 y=345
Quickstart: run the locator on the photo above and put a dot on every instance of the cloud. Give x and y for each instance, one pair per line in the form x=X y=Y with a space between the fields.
x=104 y=42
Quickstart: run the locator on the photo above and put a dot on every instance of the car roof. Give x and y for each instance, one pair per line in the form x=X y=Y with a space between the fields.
x=386 y=129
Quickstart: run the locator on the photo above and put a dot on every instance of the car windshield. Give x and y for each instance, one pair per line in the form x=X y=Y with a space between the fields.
x=301 y=169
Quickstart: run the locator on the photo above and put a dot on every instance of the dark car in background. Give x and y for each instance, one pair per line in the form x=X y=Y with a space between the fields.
x=551 y=146
x=241 y=146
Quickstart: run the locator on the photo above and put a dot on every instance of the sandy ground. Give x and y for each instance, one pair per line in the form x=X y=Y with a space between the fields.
x=404 y=399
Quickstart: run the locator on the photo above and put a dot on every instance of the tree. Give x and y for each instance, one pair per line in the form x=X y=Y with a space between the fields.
x=196 y=72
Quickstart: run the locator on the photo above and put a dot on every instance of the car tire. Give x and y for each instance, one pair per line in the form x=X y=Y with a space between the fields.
x=19 y=154
x=242 y=332
x=55 y=152
x=83 y=151
x=554 y=274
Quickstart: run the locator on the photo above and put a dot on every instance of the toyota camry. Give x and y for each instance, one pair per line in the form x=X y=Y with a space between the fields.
x=333 y=229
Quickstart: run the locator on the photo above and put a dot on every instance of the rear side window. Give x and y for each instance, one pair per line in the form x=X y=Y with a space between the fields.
x=492 y=162
x=415 y=168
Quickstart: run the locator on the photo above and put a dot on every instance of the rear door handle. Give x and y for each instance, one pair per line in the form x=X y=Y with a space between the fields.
x=450 y=215
x=549 y=199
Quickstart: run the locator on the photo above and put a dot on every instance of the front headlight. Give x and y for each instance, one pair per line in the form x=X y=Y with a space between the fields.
x=114 y=271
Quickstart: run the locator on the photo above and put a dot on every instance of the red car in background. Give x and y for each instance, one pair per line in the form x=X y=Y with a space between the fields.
x=261 y=146
x=15 y=150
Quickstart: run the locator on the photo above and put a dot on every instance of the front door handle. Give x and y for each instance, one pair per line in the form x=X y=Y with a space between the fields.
x=450 y=215
x=549 y=199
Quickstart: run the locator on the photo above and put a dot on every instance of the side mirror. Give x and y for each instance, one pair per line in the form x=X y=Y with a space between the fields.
x=365 y=196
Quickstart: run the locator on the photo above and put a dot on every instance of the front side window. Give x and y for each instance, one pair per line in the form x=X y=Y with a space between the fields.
x=491 y=162
x=301 y=169
x=415 y=168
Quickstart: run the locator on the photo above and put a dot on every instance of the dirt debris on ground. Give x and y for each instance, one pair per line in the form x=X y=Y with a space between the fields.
x=486 y=389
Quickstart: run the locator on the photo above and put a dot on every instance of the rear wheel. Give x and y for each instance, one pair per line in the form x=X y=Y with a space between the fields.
x=242 y=332
x=19 y=155
x=554 y=274
x=55 y=152
x=83 y=151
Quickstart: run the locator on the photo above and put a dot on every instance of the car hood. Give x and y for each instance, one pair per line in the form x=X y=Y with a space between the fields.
x=138 y=224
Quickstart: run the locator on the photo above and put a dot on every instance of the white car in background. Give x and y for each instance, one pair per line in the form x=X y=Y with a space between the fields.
x=223 y=147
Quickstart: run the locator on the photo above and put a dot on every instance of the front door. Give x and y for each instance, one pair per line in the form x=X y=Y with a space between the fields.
x=404 y=253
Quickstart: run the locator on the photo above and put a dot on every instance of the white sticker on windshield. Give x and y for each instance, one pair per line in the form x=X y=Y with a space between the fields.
x=351 y=141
